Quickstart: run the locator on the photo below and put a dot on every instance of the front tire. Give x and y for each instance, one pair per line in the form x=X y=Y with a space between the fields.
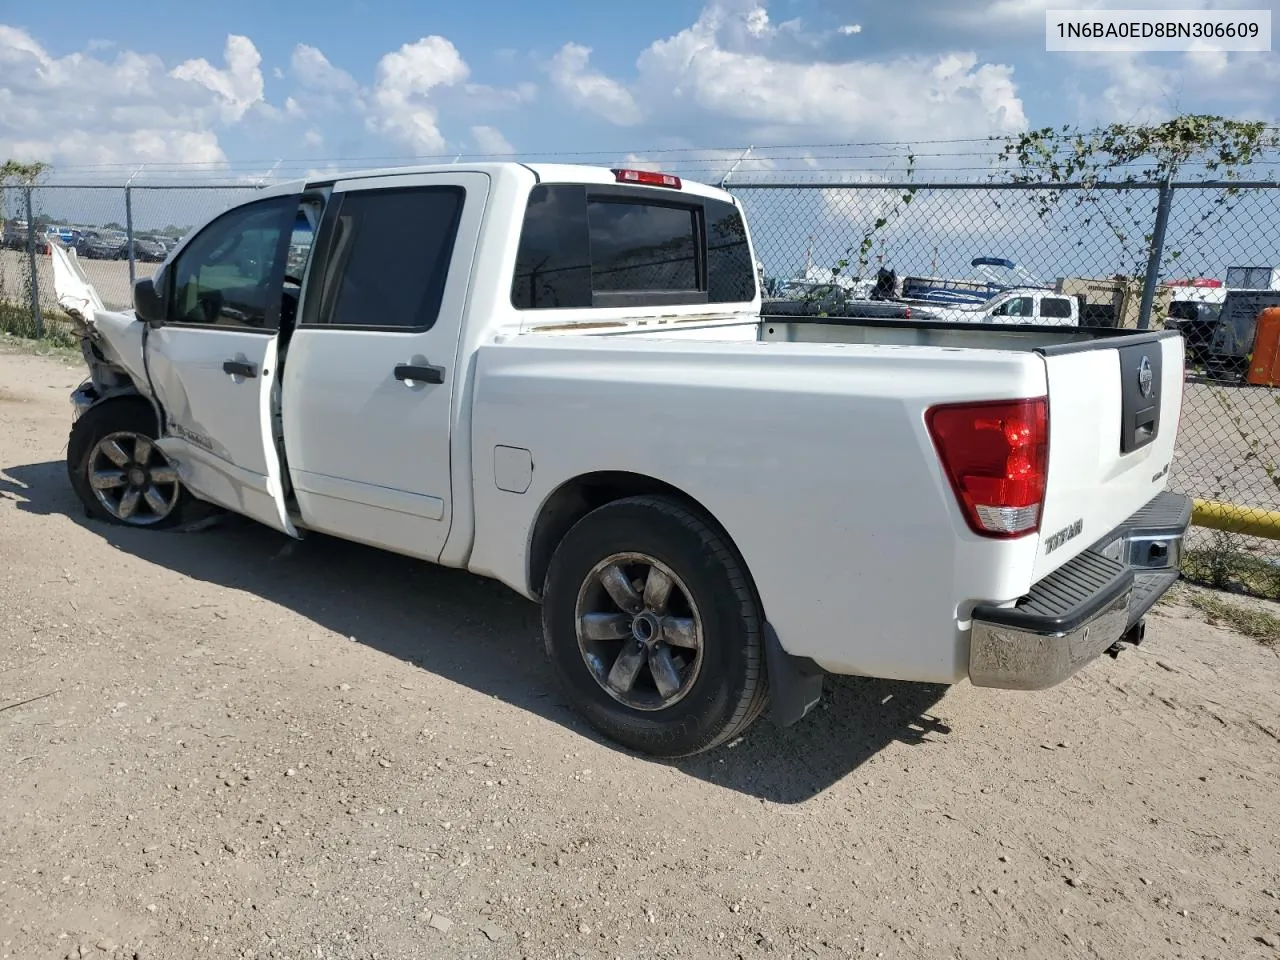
x=118 y=472
x=653 y=628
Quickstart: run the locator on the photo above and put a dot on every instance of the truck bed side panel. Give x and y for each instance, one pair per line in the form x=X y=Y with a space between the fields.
x=870 y=576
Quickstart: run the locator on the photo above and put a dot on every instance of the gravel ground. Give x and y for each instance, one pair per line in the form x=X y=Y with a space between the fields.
x=222 y=744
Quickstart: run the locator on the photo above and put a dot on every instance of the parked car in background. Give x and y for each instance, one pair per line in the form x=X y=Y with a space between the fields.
x=101 y=245
x=146 y=250
x=63 y=234
x=15 y=236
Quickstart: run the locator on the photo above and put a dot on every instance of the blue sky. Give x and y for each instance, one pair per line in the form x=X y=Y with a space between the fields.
x=230 y=89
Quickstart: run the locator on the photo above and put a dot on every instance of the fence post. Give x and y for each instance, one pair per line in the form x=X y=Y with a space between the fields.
x=31 y=265
x=1156 y=253
x=128 y=229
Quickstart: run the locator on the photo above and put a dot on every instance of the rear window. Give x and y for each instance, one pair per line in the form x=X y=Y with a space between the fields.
x=639 y=247
x=602 y=246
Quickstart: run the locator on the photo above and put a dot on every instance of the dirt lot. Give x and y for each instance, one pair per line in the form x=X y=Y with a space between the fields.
x=217 y=744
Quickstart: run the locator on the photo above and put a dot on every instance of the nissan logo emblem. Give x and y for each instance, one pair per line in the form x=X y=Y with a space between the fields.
x=1146 y=378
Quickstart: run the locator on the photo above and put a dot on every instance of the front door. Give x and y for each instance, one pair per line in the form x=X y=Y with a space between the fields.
x=213 y=362
x=369 y=382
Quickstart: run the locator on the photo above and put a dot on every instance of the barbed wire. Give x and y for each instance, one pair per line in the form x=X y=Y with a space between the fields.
x=700 y=155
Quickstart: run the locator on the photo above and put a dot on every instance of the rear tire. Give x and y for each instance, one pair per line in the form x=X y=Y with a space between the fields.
x=653 y=628
x=119 y=474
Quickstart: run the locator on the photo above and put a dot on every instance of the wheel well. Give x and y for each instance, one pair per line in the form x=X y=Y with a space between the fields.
x=126 y=395
x=579 y=496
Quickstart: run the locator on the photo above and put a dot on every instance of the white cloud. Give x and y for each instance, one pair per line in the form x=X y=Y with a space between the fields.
x=79 y=110
x=405 y=100
x=849 y=29
x=401 y=109
x=758 y=22
x=321 y=87
x=1139 y=88
x=590 y=89
x=481 y=96
x=313 y=138
x=490 y=141
x=704 y=75
x=314 y=71
x=239 y=86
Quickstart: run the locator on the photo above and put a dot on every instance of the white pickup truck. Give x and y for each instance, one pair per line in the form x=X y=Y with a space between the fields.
x=558 y=377
x=1027 y=306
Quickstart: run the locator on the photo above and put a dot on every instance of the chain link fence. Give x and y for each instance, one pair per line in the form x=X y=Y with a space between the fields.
x=1203 y=258
x=119 y=234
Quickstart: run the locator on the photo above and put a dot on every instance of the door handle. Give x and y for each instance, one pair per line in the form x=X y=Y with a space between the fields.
x=238 y=368
x=427 y=374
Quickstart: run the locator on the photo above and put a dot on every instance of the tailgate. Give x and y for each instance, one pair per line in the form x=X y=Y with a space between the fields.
x=1114 y=406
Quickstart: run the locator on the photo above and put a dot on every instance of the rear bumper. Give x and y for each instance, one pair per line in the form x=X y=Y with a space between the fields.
x=1083 y=608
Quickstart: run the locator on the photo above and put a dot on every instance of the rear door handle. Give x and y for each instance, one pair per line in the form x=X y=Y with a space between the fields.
x=238 y=368
x=428 y=374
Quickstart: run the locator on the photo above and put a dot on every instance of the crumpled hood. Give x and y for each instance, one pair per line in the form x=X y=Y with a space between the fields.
x=116 y=335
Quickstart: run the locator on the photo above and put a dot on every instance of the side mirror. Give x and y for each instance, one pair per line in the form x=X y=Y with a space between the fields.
x=147 y=303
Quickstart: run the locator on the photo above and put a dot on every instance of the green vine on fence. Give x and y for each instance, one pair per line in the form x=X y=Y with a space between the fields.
x=1130 y=154
x=861 y=250
x=12 y=172
x=1136 y=153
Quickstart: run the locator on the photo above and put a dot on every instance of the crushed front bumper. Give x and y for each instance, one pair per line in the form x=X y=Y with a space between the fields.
x=1083 y=608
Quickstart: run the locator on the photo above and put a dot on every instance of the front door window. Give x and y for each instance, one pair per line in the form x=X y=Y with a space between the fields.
x=231 y=272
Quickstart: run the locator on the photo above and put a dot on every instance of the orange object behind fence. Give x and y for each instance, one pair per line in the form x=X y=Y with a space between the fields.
x=1264 y=368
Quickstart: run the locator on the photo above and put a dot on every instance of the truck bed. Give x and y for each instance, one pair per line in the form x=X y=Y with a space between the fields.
x=923 y=333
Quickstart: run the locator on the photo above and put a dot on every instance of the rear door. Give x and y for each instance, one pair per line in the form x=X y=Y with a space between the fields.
x=212 y=364
x=1114 y=406
x=373 y=367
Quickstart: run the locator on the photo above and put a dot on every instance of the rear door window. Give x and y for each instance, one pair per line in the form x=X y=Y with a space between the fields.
x=388 y=257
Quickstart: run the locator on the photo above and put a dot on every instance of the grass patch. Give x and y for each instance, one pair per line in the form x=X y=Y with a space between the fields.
x=1222 y=567
x=1258 y=624
x=19 y=325
x=57 y=350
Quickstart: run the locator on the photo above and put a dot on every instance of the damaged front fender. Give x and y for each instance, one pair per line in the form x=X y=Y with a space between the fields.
x=111 y=342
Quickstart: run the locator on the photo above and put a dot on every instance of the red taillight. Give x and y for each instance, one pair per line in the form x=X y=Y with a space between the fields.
x=908 y=314
x=647 y=178
x=996 y=456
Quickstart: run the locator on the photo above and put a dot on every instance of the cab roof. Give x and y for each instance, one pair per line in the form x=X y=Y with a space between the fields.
x=544 y=172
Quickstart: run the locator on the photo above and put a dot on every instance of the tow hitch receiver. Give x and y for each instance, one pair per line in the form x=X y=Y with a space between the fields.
x=1133 y=636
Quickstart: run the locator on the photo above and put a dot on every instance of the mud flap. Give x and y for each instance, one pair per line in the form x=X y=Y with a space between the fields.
x=795 y=683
